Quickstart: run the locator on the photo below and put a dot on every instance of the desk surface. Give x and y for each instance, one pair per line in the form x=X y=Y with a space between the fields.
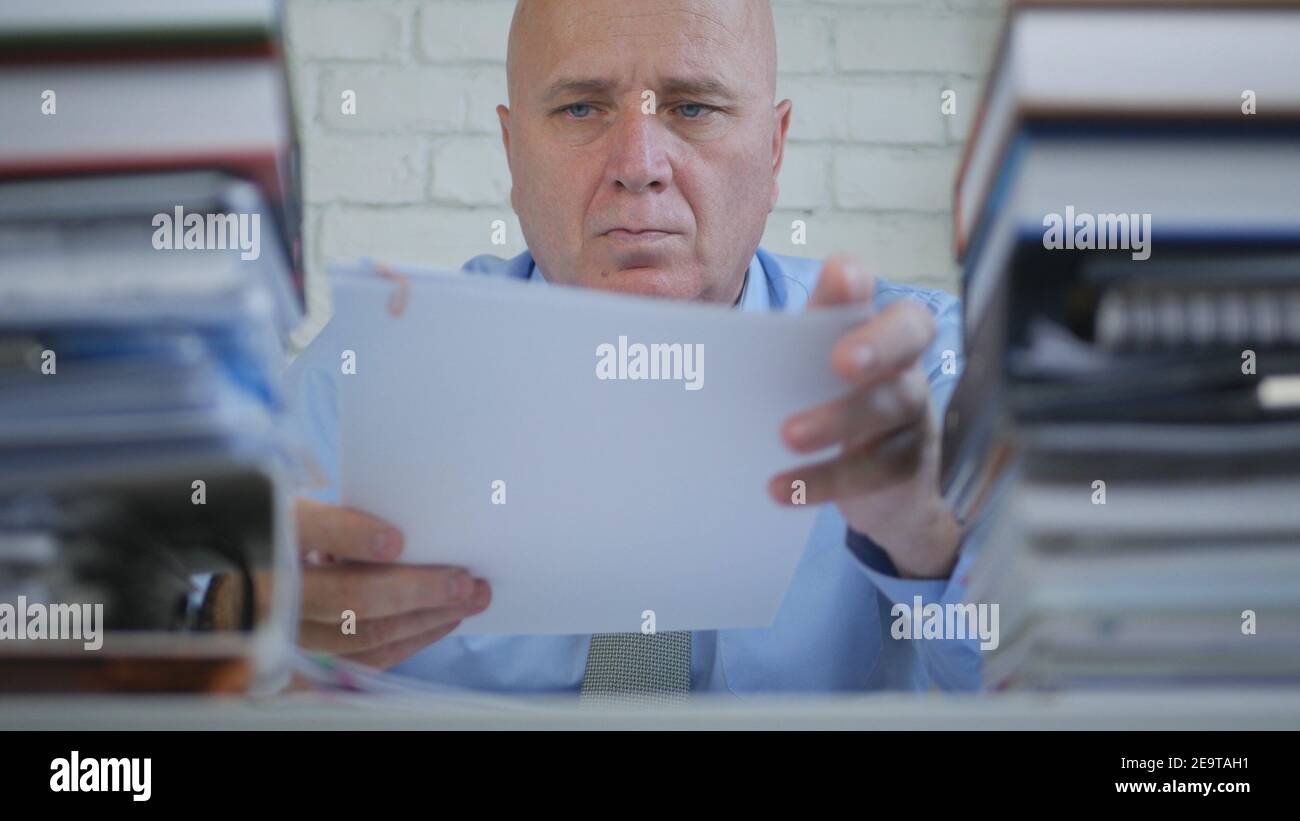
x=1245 y=709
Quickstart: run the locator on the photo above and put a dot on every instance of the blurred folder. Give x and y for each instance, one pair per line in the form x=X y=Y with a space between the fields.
x=1129 y=402
x=142 y=464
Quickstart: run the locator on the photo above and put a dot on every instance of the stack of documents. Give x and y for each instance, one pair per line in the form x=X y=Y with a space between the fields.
x=1132 y=393
x=137 y=85
x=147 y=289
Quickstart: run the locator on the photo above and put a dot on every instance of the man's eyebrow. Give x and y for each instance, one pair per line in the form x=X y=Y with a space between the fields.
x=565 y=87
x=696 y=87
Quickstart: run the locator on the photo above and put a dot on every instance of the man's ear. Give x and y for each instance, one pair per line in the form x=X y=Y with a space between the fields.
x=780 y=126
x=503 y=114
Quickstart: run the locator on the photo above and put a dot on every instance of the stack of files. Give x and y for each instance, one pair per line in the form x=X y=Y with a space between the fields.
x=1127 y=69
x=1129 y=417
x=137 y=85
x=148 y=287
x=1182 y=578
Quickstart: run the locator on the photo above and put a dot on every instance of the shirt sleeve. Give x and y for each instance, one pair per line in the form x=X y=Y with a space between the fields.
x=311 y=391
x=950 y=664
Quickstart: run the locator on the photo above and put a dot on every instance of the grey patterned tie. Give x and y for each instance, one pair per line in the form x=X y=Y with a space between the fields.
x=638 y=669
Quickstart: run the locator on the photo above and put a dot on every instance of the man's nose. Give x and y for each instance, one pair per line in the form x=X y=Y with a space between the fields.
x=639 y=158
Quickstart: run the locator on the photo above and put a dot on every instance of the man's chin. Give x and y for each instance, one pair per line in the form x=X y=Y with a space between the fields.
x=645 y=280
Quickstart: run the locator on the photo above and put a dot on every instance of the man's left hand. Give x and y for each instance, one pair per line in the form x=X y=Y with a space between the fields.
x=885 y=478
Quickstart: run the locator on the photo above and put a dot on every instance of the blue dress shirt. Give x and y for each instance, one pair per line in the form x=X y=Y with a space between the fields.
x=832 y=631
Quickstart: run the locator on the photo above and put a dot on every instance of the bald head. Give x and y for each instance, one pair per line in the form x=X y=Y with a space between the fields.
x=643 y=141
x=741 y=26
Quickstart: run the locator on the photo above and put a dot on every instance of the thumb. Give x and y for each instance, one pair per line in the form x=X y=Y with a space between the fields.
x=345 y=533
x=843 y=281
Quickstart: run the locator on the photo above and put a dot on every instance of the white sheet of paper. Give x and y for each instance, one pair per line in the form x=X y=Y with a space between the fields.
x=620 y=496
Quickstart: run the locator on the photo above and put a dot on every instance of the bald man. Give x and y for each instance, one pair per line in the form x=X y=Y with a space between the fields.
x=645 y=145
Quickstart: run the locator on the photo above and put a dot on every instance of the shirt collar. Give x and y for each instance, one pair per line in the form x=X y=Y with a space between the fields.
x=755 y=298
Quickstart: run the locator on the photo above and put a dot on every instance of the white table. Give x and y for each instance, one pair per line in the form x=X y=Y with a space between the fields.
x=1253 y=709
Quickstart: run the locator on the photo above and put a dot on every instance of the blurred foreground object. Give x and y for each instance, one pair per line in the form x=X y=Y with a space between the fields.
x=1130 y=235
x=148 y=285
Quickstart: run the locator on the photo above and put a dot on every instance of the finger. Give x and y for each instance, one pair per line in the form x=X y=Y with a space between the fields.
x=384 y=657
x=375 y=591
x=889 y=342
x=866 y=469
x=375 y=633
x=863 y=415
x=843 y=281
x=345 y=533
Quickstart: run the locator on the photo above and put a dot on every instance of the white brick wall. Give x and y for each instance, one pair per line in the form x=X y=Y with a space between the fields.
x=869 y=162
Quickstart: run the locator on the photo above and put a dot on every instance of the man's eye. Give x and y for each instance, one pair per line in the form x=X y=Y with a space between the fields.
x=692 y=111
x=578 y=111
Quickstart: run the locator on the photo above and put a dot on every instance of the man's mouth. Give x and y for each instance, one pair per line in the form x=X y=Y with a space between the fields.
x=637 y=237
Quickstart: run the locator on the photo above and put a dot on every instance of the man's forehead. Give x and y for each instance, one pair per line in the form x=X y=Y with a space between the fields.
x=559 y=42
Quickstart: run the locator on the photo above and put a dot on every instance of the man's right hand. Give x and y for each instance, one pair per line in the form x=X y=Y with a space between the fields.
x=400 y=609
